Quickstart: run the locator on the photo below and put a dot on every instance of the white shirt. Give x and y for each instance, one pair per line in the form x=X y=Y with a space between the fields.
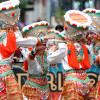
x=33 y=65
x=61 y=54
x=20 y=42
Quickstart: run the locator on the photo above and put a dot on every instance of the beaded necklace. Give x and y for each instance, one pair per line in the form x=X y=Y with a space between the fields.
x=2 y=37
x=95 y=52
x=79 y=55
x=43 y=62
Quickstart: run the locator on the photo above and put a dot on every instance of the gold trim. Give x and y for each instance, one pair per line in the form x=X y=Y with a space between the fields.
x=97 y=91
x=7 y=89
x=2 y=98
x=92 y=74
x=76 y=90
x=3 y=30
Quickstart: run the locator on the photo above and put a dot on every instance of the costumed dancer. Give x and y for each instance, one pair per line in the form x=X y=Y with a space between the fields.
x=36 y=86
x=10 y=39
x=94 y=48
x=75 y=58
x=56 y=68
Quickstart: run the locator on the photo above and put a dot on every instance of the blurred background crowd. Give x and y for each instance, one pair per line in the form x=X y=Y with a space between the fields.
x=51 y=10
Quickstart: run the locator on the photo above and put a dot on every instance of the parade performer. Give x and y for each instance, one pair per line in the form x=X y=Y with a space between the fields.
x=36 y=86
x=75 y=58
x=56 y=68
x=94 y=48
x=10 y=39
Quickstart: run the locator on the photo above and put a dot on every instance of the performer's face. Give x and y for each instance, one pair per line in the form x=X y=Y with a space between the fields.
x=43 y=48
x=80 y=38
x=98 y=36
x=91 y=37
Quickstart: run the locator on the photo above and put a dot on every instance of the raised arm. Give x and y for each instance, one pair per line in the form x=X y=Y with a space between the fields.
x=30 y=41
x=54 y=55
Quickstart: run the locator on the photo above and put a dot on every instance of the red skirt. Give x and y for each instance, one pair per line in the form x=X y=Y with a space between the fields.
x=34 y=89
x=9 y=89
x=76 y=86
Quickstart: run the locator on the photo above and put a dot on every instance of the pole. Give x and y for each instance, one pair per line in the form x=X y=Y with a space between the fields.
x=48 y=11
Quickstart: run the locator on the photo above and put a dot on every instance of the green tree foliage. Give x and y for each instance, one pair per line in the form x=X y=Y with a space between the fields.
x=2 y=0
x=23 y=3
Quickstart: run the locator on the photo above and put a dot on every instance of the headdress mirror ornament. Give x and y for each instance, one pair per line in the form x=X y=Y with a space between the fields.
x=95 y=16
x=76 y=22
x=9 y=14
x=58 y=35
x=37 y=29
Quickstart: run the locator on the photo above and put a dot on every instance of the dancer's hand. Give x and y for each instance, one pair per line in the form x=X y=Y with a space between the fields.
x=54 y=48
x=30 y=56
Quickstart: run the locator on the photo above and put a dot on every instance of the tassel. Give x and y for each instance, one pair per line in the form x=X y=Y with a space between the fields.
x=88 y=52
x=25 y=64
x=94 y=58
x=69 y=52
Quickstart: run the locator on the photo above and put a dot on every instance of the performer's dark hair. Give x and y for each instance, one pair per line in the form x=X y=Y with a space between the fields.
x=59 y=27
